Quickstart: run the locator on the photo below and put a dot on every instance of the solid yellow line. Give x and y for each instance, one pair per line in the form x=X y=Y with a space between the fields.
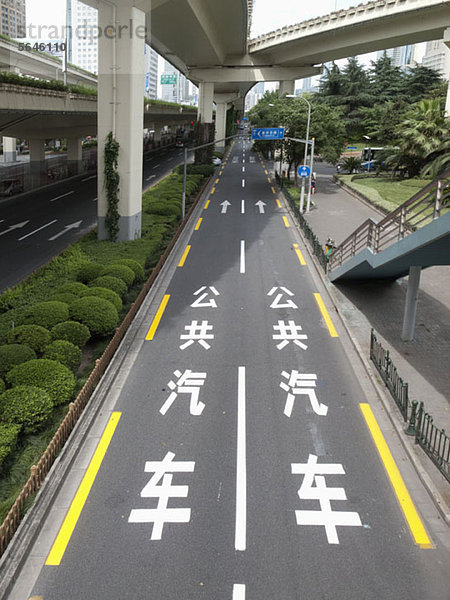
x=185 y=253
x=63 y=538
x=265 y=171
x=206 y=204
x=273 y=190
x=154 y=326
x=326 y=316
x=217 y=180
x=286 y=222
x=406 y=504
x=221 y=172
x=278 y=203
x=299 y=254
x=268 y=179
x=213 y=190
x=199 y=222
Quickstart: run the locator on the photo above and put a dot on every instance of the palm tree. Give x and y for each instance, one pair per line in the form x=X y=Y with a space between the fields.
x=439 y=161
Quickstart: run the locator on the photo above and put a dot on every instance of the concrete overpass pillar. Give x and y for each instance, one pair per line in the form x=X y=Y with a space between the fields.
x=9 y=149
x=286 y=87
x=221 y=123
x=447 y=43
x=74 y=156
x=205 y=102
x=38 y=170
x=120 y=98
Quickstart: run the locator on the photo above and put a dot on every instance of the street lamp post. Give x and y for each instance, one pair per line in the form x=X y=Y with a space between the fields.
x=302 y=194
x=370 y=151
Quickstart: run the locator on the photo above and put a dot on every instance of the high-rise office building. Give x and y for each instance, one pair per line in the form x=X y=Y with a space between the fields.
x=174 y=85
x=402 y=56
x=151 y=73
x=83 y=49
x=437 y=57
x=13 y=18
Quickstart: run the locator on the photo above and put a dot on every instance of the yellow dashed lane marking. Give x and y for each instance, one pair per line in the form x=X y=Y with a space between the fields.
x=185 y=253
x=286 y=222
x=299 y=255
x=154 y=326
x=278 y=203
x=199 y=222
x=206 y=204
x=326 y=316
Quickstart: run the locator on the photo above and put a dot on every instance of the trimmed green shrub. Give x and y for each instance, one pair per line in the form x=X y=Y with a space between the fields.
x=2 y=386
x=64 y=297
x=122 y=272
x=72 y=331
x=90 y=271
x=26 y=405
x=98 y=314
x=107 y=294
x=8 y=439
x=34 y=336
x=160 y=207
x=111 y=283
x=51 y=376
x=47 y=314
x=73 y=287
x=134 y=266
x=14 y=354
x=64 y=352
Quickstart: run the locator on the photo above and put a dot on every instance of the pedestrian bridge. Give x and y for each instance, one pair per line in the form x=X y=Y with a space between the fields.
x=417 y=233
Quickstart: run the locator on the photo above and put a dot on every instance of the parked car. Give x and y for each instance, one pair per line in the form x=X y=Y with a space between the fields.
x=216 y=160
x=8 y=187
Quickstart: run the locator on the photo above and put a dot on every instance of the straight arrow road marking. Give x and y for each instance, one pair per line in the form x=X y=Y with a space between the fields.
x=240 y=540
x=68 y=193
x=36 y=230
x=261 y=206
x=65 y=230
x=225 y=206
x=16 y=226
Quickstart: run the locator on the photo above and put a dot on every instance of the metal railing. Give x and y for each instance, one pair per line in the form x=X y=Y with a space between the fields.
x=423 y=207
x=434 y=441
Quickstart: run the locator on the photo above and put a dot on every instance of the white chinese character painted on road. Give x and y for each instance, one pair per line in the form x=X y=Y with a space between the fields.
x=187 y=383
x=199 y=303
x=314 y=488
x=287 y=333
x=198 y=333
x=276 y=303
x=301 y=383
x=160 y=515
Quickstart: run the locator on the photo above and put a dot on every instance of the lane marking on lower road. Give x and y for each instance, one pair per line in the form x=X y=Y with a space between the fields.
x=220 y=173
x=242 y=260
x=286 y=222
x=238 y=591
x=65 y=533
x=63 y=195
x=278 y=203
x=299 y=255
x=410 y=513
x=199 y=222
x=240 y=538
x=36 y=230
x=90 y=177
x=206 y=204
x=266 y=172
x=183 y=258
x=154 y=326
x=326 y=316
x=273 y=189
x=269 y=180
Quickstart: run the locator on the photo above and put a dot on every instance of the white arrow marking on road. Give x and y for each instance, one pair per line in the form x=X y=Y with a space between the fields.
x=65 y=230
x=63 y=195
x=261 y=206
x=151 y=177
x=225 y=206
x=36 y=230
x=12 y=227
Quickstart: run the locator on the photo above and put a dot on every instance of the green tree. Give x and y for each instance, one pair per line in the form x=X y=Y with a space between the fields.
x=387 y=81
x=356 y=96
x=419 y=82
x=332 y=84
x=380 y=122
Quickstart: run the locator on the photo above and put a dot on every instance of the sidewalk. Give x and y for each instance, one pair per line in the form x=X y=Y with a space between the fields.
x=422 y=363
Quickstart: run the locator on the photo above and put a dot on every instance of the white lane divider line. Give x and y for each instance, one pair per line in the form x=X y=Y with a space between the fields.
x=238 y=591
x=156 y=166
x=90 y=177
x=242 y=207
x=243 y=169
x=151 y=177
x=36 y=230
x=64 y=195
x=240 y=539
x=243 y=183
x=242 y=261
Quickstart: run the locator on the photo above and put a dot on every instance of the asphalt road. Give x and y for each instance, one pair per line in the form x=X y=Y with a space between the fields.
x=241 y=466
x=37 y=226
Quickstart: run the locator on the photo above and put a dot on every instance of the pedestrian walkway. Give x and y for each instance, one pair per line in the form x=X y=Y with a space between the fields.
x=423 y=362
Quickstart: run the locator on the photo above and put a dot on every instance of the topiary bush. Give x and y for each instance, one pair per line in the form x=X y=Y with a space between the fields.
x=64 y=352
x=27 y=406
x=107 y=294
x=122 y=272
x=51 y=376
x=47 y=314
x=111 y=283
x=160 y=207
x=136 y=267
x=90 y=271
x=34 y=336
x=99 y=315
x=64 y=297
x=73 y=287
x=2 y=386
x=72 y=331
x=14 y=354
x=8 y=439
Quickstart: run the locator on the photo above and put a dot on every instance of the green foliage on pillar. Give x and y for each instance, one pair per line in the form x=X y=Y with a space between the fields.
x=112 y=179
x=204 y=134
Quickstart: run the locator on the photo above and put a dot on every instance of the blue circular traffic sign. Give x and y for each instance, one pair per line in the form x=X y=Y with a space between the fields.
x=304 y=171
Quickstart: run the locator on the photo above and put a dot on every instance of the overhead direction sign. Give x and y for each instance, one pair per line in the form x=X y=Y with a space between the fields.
x=168 y=79
x=267 y=133
x=304 y=171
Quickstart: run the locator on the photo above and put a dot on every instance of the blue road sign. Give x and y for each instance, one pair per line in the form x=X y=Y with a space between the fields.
x=351 y=147
x=267 y=133
x=245 y=118
x=304 y=171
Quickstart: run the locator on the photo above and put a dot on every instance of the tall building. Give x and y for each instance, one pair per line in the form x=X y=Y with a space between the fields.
x=254 y=95
x=151 y=73
x=13 y=18
x=402 y=56
x=174 y=85
x=437 y=57
x=83 y=50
